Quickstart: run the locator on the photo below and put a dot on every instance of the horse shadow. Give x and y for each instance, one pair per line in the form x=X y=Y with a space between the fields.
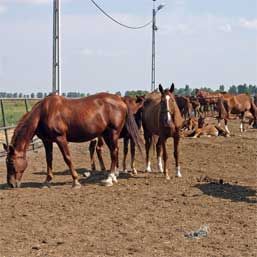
x=33 y=185
x=234 y=192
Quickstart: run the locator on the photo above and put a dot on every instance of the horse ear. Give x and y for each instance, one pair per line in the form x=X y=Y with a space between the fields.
x=172 y=87
x=11 y=149
x=160 y=88
x=5 y=147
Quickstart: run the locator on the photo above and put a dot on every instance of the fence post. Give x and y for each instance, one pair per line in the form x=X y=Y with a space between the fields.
x=4 y=122
x=26 y=104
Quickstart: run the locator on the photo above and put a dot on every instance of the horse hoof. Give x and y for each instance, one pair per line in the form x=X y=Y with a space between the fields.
x=86 y=174
x=46 y=185
x=160 y=170
x=178 y=175
x=134 y=171
x=167 y=177
x=107 y=183
x=76 y=185
x=116 y=173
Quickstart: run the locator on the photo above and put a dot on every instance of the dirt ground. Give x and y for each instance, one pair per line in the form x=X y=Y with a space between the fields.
x=143 y=215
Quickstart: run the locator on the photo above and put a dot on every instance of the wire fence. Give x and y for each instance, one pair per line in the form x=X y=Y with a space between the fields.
x=11 y=110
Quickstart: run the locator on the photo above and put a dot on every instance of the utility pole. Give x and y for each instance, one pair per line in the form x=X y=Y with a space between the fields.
x=153 y=47
x=154 y=29
x=56 y=83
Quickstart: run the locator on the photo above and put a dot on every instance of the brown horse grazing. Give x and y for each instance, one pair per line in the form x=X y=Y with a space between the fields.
x=184 y=106
x=135 y=106
x=61 y=120
x=161 y=117
x=235 y=104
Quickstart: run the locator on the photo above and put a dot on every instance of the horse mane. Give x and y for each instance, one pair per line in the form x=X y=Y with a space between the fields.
x=24 y=125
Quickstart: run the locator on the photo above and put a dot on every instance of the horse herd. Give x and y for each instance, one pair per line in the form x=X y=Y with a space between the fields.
x=105 y=117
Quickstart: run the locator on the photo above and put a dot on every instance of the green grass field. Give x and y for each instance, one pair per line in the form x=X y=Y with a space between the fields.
x=14 y=109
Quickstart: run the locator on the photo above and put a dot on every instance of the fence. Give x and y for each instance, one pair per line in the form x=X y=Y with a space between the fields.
x=12 y=110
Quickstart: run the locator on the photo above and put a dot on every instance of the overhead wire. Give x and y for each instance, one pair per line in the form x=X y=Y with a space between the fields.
x=116 y=21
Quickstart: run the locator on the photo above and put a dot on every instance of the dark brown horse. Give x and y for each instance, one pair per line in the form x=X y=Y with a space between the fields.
x=60 y=120
x=236 y=104
x=135 y=105
x=184 y=106
x=161 y=117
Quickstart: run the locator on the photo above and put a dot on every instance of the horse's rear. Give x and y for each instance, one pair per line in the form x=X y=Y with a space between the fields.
x=161 y=117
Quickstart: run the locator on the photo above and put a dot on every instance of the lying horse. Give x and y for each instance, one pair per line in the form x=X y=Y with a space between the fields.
x=61 y=120
x=135 y=106
x=200 y=128
x=235 y=104
x=161 y=117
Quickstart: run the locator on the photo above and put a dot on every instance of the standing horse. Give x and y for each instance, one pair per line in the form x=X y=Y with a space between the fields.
x=61 y=120
x=135 y=106
x=184 y=105
x=161 y=117
x=236 y=104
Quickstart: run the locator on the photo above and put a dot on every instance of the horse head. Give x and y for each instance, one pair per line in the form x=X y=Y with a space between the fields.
x=16 y=164
x=168 y=106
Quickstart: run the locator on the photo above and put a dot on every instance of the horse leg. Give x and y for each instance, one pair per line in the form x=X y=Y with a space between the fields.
x=148 y=142
x=133 y=153
x=92 y=148
x=158 y=152
x=226 y=127
x=242 y=129
x=99 y=149
x=176 y=153
x=111 y=139
x=63 y=146
x=125 y=153
x=49 y=160
x=165 y=158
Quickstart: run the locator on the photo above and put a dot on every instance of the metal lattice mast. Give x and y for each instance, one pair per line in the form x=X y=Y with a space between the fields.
x=56 y=47
x=153 y=49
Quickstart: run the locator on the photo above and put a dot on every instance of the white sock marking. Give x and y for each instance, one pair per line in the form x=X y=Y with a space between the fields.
x=178 y=173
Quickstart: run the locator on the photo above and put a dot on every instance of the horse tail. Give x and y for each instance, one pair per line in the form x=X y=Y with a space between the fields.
x=133 y=130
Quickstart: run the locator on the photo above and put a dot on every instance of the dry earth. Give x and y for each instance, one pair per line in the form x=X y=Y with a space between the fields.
x=143 y=216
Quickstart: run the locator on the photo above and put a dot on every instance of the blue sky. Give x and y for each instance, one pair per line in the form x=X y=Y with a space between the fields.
x=199 y=42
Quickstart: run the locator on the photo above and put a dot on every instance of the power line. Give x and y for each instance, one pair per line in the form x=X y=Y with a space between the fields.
x=116 y=21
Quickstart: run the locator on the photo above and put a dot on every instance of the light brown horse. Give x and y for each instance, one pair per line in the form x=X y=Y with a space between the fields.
x=135 y=105
x=197 y=128
x=161 y=117
x=235 y=104
x=61 y=120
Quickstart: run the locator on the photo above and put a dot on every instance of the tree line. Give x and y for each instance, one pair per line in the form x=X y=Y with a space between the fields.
x=186 y=91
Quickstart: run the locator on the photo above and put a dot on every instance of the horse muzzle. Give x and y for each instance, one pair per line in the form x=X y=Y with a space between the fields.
x=13 y=183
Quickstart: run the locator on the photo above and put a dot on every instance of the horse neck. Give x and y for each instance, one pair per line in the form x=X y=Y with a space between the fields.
x=25 y=131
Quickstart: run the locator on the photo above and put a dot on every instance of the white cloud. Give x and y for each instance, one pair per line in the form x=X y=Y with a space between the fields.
x=248 y=24
x=25 y=1
x=3 y=9
x=226 y=28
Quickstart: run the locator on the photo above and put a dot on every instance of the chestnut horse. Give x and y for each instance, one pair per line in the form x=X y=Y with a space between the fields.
x=236 y=104
x=135 y=106
x=61 y=120
x=161 y=117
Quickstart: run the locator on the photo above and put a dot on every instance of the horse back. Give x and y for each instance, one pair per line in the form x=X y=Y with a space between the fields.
x=82 y=119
